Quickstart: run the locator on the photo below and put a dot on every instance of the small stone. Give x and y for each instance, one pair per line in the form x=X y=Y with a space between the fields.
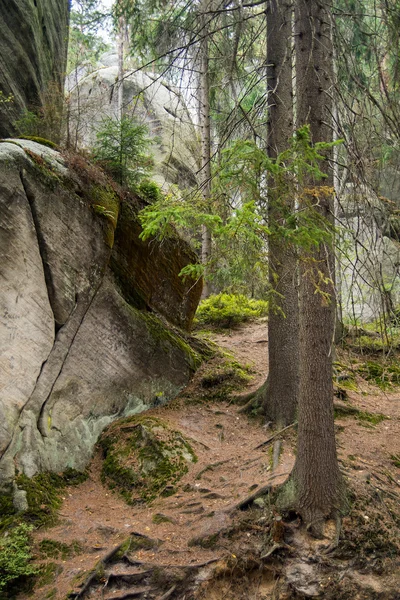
x=20 y=501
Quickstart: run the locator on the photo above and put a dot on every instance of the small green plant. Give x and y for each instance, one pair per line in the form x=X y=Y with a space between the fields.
x=121 y=149
x=6 y=99
x=149 y=190
x=229 y=310
x=15 y=555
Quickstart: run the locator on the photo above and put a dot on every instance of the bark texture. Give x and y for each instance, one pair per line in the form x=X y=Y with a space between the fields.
x=283 y=322
x=316 y=473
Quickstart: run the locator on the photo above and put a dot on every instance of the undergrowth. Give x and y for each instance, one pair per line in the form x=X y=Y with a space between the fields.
x=15 y=556
x=44 y=499
x=229 y=310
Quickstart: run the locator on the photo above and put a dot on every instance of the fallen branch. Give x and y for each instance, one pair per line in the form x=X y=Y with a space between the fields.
x=270 y=439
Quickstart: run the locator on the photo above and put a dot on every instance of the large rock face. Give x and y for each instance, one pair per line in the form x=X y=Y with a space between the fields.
x=94 y=96
x=33 y=52
x=78 y=349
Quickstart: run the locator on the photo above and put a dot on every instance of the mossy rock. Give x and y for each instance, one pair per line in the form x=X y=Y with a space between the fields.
x=40 y=140
x=143 y=457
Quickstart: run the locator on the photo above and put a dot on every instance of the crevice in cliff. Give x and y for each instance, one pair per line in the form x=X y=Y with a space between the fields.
x=51 y=368
x=41 y=245
x=80 y=311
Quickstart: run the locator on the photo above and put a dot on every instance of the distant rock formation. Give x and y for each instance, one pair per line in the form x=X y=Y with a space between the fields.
x=79 y=293
x=368 y=277
x=33 y=54
x=93 y=96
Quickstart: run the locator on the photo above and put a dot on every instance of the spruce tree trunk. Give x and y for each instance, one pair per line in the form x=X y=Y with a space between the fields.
x=120 y=98
x=283 y=323
x=205 y=132
x=316 y=475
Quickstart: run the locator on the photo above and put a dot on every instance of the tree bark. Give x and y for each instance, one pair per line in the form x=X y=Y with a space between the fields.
x=283 y=324
x=205 y=132
x=316 y=476
x=120 y=98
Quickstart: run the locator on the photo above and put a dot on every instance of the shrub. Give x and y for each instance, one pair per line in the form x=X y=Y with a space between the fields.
x=229 y=310
x=121 y=149
x=15 y=555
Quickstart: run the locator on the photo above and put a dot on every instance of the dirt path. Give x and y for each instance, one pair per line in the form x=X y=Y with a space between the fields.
x=181 y=529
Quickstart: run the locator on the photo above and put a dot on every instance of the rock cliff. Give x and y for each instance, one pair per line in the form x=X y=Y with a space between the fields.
x=81 y=342
x=33 y=53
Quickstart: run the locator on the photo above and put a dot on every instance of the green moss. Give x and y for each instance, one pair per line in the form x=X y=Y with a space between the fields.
x=53 y=549
x=221 y=377
x=45 y=168
x=40 y=140
x=143 y=457
x=105 y=202
x=134 y=543
x=7 y=511
x=44 y=494
x=229 y=310
x=371 y=418
x=383 y=374
x=159 y=518
x=166 y=338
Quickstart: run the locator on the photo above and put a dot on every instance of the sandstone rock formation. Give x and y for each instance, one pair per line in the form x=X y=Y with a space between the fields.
x=33 y=54
x=94 y=96
x=80 y=342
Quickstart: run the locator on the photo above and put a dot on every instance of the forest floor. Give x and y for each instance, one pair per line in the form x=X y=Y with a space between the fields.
x=209 y=539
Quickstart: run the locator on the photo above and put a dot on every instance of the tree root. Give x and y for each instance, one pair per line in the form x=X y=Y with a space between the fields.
x=254 y=401
x=243 y=504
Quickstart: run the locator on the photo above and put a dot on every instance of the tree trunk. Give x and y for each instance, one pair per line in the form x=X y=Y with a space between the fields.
x=205 y=132
x=121 y=38
x=283 y=323
x=316 y=476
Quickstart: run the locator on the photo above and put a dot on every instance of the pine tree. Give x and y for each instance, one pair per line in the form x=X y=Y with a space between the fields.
x=280 y=403
x=316 y=478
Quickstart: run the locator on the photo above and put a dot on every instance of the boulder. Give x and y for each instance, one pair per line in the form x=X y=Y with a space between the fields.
x=33 y=54
x=81 y=341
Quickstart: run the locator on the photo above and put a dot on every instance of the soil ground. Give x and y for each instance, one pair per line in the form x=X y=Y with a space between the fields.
x=203 y=545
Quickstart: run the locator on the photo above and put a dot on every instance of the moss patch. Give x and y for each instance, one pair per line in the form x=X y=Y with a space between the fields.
x=105 y=202
x=44 y=494
x=53 y=549
x=143 y=457
x=39 y=140
x=383 y=374
x=166 y=338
